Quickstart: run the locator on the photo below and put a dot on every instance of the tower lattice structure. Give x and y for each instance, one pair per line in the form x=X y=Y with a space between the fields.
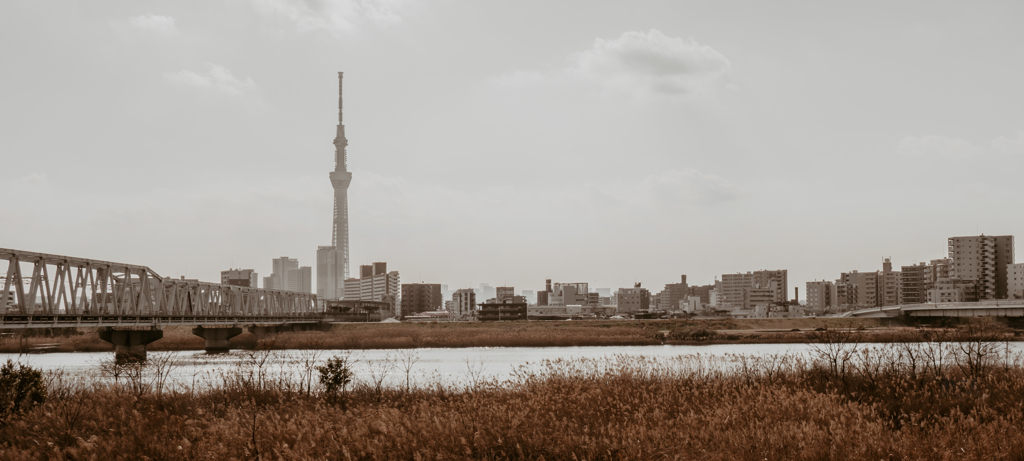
x=333 y=261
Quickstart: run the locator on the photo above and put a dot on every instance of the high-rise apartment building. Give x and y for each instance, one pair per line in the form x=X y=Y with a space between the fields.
x=860 y=288
x=913 y=287
x=984 y=260
x=421 y=297
x=917 y=279
x=734 y=287
x=889 y=282
x=240 y=278
x=780 y=278
x=332 y=261
x=463 y=304
x=821 y=295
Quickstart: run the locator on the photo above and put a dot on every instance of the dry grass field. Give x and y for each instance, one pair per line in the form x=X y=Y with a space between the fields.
x=956 y=397
x=480 y=334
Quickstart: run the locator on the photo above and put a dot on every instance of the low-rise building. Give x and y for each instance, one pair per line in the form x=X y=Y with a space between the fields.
x=950 y=290
x=632 y=300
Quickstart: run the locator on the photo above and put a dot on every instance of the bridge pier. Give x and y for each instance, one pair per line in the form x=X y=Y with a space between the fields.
x=217 y=339
x=262 y=331
x=130 y=345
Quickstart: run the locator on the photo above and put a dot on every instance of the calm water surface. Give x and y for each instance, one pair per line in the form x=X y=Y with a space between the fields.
x=428 y=366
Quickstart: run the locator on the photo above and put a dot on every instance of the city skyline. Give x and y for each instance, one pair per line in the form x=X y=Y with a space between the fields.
x=639 y=143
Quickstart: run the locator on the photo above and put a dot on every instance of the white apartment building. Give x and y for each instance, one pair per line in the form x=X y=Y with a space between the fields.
x=1015 y=281
x=983 y=259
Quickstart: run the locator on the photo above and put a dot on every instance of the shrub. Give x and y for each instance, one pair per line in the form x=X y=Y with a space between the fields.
x=335 y=374
x=21 y=387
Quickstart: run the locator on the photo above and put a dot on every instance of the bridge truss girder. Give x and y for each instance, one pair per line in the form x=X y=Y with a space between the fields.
x=65 y=285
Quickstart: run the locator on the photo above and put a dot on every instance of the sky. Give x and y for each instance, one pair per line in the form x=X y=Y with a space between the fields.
x=512 y=142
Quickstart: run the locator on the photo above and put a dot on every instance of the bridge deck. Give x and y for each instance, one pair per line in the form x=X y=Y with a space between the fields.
x=92 y=321
x=988 y=308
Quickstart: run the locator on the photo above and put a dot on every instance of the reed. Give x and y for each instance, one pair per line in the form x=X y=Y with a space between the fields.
x=957 y=397
x=505 y=334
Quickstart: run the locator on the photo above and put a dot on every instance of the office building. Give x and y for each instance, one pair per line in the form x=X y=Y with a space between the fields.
x=632 y=300
x=299 y=279
x=983 y=259
x=288 y=276
x=531 y=297
x=376 y=284
x=670 y=297
x=240 y=278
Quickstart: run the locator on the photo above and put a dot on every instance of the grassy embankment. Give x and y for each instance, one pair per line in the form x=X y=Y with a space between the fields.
x=934 y=400
x=497 y=334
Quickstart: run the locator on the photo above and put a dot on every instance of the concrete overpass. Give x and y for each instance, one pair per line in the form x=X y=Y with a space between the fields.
x=991 y=308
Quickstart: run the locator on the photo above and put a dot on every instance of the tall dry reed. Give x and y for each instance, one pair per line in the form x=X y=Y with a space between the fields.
x=960 y=396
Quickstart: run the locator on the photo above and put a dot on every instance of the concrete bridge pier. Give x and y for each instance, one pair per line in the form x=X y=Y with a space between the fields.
x=217 y=339
x=130 y=345
x=262 y=331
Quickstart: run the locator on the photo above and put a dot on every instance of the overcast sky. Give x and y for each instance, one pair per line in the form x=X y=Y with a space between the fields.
x=509 y=142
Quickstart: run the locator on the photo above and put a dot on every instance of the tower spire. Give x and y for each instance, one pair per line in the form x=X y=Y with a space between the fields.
x=340 y=142
x=332 y=261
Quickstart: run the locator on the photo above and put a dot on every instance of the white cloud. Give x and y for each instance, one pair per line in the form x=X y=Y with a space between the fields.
x=643 y=65
x=688 y=186
x=163 y=25
x=394 y=202
x=940 y=146
x=333 y=15
x=34 y=179
x=652 y=63
x=1006 y=145
x=218 y=78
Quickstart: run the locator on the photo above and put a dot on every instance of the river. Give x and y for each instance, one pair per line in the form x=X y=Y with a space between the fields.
x=421 y=367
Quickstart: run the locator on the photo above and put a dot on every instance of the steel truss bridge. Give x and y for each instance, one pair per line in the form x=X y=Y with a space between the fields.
x=991 y=308
x=54 y=291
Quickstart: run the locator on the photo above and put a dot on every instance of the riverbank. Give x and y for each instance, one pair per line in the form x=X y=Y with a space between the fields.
x=951 y=403
x=501 y=334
